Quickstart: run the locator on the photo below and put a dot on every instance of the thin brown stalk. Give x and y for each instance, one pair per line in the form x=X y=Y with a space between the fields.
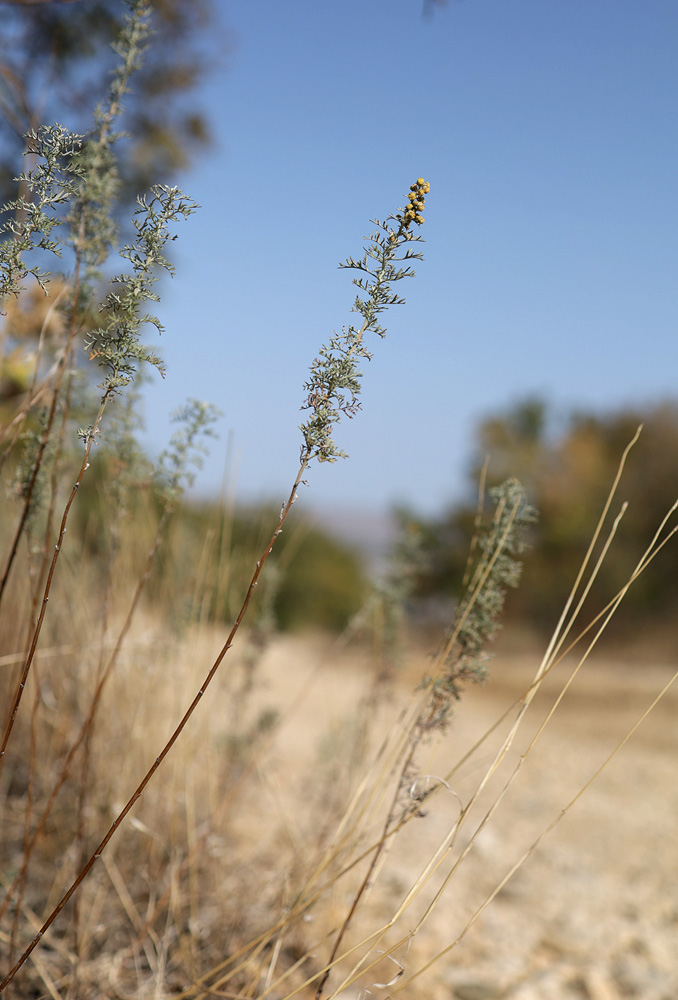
x=42 y=447
x=48 y=586
x=175 y=735
x=88 y=721
x=27 y=813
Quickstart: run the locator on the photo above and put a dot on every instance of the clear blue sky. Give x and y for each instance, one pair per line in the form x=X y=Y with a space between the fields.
x=548 y=132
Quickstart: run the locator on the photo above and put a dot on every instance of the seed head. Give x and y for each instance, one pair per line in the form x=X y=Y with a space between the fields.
x=416 y=203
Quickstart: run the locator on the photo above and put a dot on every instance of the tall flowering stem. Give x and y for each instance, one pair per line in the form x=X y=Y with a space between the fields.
x=333 y=387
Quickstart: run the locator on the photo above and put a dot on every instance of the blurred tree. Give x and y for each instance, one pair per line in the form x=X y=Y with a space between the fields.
x=54 y=57
x=323 y=584
x=516 y=442
x=568 y=469
x=55 y=63
x=316 y=582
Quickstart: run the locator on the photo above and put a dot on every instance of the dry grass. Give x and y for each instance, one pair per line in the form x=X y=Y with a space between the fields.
x=236 y=870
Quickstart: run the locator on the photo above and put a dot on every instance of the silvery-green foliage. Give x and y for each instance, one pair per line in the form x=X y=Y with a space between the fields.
x=130 y=467
x=17 y=488
x=502 y=541
x=334 y=386
x=74 y=179
x=178 y=463
x=129 y=46
x=46 y=188
x=116 y=345
x=73 y=184
x=93 y=229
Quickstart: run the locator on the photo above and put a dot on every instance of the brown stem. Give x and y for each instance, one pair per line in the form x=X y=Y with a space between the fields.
x=88 y=721
x=48 y=585
x=27 y=816
x=175 y=735
x=45 y=438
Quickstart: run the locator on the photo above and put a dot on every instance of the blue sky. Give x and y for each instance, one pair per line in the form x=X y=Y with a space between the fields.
x=548 y=132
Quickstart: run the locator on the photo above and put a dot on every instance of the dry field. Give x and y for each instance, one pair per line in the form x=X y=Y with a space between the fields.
x=593 y=912
x=226 y=835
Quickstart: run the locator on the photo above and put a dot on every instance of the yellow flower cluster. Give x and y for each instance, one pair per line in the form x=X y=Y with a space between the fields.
x=416 y=202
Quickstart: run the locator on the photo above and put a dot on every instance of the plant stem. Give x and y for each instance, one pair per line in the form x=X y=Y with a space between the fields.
x=177 y=732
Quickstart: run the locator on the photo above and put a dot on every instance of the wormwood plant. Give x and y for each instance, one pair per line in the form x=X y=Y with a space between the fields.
x=334 y=384
x=462 y=657
x=117 y=348
x=333 y=389
x=78 y=173
x=71 y=183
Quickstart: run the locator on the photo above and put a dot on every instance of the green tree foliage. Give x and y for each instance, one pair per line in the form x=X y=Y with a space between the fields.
x=323 y=587
x=568 y=467
x=53 y=62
